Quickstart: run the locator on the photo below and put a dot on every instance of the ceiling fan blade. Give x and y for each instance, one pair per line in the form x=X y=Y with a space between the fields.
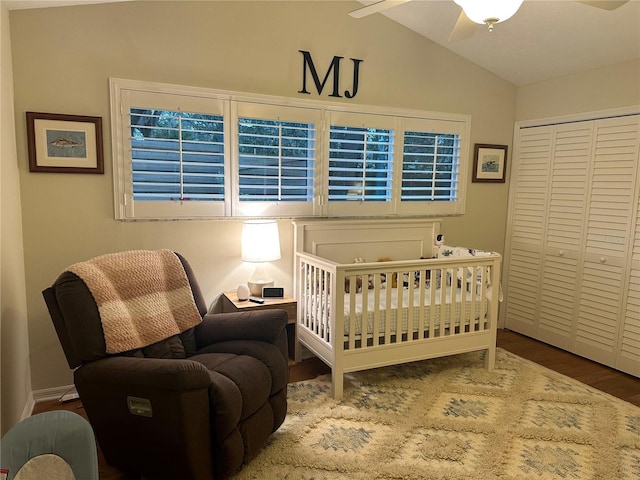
x=463 y=29
x=376 y=7
x=604 y=4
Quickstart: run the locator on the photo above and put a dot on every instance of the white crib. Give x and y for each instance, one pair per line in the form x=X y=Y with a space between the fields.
x=356 y=316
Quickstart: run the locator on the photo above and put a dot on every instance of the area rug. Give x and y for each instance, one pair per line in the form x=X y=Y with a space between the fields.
x=450 y=418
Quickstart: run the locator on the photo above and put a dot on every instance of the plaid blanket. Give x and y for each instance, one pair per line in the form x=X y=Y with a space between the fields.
x=143 y=296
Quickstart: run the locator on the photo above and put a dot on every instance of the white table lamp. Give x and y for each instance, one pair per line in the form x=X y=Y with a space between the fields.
x=260 y=244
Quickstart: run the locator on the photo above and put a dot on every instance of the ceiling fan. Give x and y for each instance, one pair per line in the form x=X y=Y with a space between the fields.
x=474 y=12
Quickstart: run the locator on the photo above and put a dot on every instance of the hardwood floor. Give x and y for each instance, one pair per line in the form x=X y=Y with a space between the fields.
x=603 y=378
x=613 y=382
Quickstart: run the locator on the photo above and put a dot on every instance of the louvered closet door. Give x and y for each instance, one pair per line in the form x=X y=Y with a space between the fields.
x=568 y=188
x=628 y=359
x=527 y=220
x=608 y=229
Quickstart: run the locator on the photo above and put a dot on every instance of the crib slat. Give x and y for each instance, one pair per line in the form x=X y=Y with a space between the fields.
x=474 y=309
x=376 y=308
x=410 y=305
x=306 y=318
x=483 y=304
x=387 y=313
x=314 y=295
x=353 y=291
x=451 y=304
x=325 y=320
x=465 y=322
x=364 y=318
x=444 y=325
x=421 y=309
x=432 y=302
x=399 y=316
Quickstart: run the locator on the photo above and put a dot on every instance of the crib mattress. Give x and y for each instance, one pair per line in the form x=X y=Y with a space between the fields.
x=464 y=312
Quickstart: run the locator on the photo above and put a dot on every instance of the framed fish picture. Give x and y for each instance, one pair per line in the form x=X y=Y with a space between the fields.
x=489 y=163
x=61 y=143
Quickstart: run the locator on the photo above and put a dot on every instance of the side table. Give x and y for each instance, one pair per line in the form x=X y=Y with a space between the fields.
x=230 y=303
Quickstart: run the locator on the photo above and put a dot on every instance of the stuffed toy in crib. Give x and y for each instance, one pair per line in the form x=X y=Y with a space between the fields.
x=347 y=282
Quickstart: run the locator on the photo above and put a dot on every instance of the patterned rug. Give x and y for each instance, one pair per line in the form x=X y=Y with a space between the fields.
x=450 y=418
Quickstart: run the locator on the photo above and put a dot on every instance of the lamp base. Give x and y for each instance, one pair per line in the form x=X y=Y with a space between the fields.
x=255 y=287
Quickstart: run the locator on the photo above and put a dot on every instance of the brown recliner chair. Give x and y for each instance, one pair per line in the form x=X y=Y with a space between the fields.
x=196 y=405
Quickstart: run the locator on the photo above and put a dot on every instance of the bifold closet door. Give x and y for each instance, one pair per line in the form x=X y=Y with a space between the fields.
x=564 y=232
x=609 y=222
x=528 y=216
x=628 y=359
x=608 y=326
x=548 y=206
x=572 y=260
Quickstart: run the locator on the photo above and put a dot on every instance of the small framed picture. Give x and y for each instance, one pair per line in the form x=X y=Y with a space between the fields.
x=489 y=163
x=64 y=143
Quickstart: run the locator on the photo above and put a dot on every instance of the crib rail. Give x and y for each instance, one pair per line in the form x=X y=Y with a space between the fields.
x=372 y=304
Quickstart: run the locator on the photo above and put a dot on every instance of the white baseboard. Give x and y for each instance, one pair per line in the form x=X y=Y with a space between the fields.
x=28 y=407
x=55 y=393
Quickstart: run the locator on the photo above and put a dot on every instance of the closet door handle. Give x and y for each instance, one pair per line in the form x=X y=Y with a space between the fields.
x=561 y=253
x=603 y=259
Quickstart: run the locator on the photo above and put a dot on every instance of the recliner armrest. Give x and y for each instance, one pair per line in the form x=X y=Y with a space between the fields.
x=261 y=325
x=147 y=410
x=168 y=374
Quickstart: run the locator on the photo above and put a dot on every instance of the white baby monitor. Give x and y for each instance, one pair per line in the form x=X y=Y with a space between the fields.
x=243 y=292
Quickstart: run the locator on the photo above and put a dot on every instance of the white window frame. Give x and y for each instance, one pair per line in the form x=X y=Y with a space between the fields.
x=234 y=104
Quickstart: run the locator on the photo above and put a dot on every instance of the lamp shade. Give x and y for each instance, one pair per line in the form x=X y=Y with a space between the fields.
x=489 y=11
x=260 y=241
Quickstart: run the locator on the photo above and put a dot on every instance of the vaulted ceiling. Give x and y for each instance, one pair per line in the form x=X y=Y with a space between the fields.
x=543 y=40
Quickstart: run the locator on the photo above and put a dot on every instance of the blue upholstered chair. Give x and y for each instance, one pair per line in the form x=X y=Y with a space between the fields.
x=58 y=444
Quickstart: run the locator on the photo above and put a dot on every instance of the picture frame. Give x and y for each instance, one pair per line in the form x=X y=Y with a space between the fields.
x=489 y=163
x=59 y=143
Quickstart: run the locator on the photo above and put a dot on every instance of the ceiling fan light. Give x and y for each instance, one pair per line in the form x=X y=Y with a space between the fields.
x=489 y=11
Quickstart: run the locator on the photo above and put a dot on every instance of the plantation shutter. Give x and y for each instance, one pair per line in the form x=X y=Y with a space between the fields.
x=429 y=167
x=360 y=168
x=175 y=155
x=277 y=150
x=182 y=152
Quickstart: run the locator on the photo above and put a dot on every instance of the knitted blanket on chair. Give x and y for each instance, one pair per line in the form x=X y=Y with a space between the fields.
x=142 y=296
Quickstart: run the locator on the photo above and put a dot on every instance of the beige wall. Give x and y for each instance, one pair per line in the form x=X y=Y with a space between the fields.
x=604 y=88
x=15 y=384
x=63 y=58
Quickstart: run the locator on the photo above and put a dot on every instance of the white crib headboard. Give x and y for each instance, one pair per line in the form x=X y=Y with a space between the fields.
x=344 y=240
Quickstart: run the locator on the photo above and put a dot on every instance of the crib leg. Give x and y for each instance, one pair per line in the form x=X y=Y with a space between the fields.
x=337 y=379
x=490 y=358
